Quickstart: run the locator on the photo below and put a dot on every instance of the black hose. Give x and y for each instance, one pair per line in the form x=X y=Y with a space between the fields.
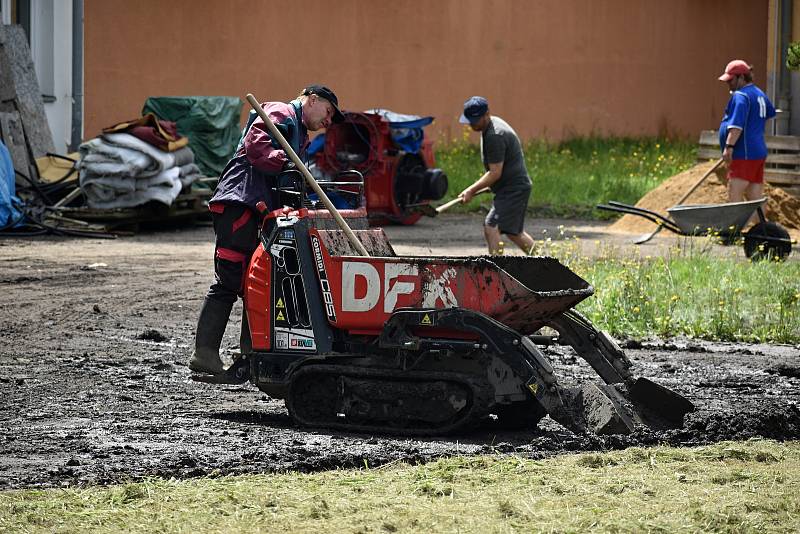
x=31 y=233
x=73 y=233
x=43 y=229
x=35 y=186
x=59 y=156
x=49 y=185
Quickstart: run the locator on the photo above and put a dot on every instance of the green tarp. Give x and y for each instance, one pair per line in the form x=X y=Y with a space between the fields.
x=210 y=122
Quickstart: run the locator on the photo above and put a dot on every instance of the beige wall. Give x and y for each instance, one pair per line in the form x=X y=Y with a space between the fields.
x=551 y=68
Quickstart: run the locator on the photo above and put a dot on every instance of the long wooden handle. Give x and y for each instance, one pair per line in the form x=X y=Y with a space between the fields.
x=276 y=134
x=700 y=181
x=449 y=204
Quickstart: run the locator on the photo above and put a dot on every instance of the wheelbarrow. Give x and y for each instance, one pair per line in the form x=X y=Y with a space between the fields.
x=765 y=239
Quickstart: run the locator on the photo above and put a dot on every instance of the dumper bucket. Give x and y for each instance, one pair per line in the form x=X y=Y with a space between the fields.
x=537 y=289
x=522 y=292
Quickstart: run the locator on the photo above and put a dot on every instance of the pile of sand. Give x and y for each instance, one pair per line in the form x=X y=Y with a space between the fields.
x=781 y=207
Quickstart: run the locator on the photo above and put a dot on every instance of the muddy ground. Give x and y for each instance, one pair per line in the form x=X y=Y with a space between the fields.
x=94 y=336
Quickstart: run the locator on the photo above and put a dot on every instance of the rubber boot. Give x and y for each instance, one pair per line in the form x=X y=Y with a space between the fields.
x=245 y=343
x=210 y=329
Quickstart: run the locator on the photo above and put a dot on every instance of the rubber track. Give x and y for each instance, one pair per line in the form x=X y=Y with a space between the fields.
x=327 y=391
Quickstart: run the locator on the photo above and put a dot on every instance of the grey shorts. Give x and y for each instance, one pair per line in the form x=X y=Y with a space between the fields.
x=508 y=211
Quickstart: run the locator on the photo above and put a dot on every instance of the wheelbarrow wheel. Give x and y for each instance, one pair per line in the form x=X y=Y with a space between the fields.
x=757 y=248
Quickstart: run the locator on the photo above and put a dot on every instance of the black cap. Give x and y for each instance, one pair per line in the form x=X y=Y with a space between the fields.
x=327 y=94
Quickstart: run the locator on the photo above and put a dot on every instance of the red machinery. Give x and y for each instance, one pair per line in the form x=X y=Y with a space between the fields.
x=395 y=179
x=425 y=346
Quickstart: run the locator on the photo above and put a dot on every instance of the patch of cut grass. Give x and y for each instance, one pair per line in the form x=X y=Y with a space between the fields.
x=571 y=177
x=729 y=487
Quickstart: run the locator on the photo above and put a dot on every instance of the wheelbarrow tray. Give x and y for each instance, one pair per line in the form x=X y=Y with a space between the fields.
x=703 y=219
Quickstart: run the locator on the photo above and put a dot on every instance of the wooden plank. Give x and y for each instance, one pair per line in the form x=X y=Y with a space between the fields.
x=709 y=138
x=792 y=190
x=187 y=205
x=778 y=177
x=783 y=159
x=782 y=142
x=705 y=154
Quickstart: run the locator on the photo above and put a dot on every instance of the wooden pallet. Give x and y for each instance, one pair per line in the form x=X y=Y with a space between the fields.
x=186 y=207
x=783 y=158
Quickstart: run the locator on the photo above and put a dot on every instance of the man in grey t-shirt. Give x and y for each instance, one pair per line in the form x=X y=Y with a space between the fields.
x=506 y=175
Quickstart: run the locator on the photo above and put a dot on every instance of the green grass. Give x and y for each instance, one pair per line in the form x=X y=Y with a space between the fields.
x=729 y=487
x=689 y=292
x=571 y=177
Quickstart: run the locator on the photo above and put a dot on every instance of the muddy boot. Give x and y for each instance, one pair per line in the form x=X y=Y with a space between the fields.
x=210 y=329
x=245 y=343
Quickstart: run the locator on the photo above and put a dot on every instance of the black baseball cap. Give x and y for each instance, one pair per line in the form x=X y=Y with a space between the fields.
x=474 y=108
x=327 y=94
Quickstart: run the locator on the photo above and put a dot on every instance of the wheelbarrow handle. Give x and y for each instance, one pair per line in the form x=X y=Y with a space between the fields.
x=652 y=217
x=636 y=210
x=647 y=237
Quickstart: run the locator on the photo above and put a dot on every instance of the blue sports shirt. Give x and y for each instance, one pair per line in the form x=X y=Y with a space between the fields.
x=748 y=109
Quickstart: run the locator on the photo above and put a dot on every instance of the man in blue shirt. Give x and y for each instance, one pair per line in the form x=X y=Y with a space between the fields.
x=741 y=133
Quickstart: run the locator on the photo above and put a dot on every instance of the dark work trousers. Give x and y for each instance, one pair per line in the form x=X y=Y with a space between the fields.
x=236 y=226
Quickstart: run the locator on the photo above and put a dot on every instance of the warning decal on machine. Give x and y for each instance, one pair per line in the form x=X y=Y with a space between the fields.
x=426 y=320
x=295 y=339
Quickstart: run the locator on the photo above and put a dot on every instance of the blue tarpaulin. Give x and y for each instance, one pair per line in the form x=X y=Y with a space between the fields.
x=9 y=214
x=406 y=130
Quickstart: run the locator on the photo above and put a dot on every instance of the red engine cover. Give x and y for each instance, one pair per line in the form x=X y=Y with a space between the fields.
x=363 y=142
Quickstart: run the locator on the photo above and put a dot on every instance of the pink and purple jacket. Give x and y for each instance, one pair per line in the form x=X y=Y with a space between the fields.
x=251 y=174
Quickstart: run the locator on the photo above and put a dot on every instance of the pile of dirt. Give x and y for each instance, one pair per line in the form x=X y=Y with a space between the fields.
x=782 y=207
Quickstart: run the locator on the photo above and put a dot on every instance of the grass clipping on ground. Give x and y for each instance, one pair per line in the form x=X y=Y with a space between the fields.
x=730 y=487
x=782 y=207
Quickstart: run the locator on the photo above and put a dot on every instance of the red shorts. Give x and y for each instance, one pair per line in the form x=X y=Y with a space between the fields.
x=751 y=170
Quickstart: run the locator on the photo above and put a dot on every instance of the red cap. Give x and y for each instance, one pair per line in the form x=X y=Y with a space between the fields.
x=735 y=68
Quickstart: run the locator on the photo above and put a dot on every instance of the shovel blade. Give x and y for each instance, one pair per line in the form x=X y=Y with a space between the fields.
x=657 y=401
x=644 y=238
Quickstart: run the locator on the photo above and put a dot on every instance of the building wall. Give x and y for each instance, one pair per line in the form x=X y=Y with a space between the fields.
x=551 y=68
x=51 y=47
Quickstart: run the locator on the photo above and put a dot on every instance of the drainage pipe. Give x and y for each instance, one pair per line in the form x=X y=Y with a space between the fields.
x=77 y=75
